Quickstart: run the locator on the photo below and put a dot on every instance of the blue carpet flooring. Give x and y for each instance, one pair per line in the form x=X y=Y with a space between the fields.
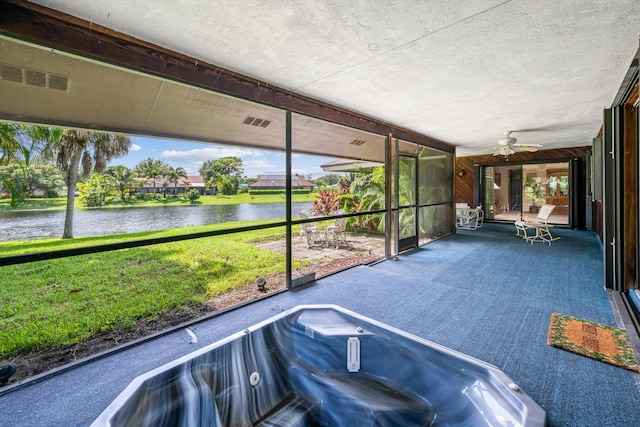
x=502 y=292
x=485 y=293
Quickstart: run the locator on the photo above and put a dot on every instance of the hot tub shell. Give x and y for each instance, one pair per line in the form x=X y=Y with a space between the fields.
x=323 y=365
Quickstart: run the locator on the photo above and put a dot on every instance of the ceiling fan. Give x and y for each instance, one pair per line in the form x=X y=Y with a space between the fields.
x=508 y=146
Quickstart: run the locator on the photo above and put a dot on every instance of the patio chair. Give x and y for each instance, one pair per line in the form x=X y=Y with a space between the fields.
x=308 y=230
x=480 y=215
x=540 y=225
x=337 y=229
x=459 y=209
x=467 y=217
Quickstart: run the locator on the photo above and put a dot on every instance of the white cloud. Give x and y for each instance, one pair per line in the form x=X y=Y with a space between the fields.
x=135 y=147
x=257 y=164
x=200 y=155
x=314 y=172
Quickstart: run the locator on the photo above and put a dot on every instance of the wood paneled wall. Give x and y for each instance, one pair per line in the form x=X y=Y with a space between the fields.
x=464 y=167
x=630 y=191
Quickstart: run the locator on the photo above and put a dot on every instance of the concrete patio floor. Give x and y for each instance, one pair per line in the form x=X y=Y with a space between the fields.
x=355 y=244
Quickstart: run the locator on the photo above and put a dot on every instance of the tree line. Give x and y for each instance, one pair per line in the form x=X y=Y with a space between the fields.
x=76 y=153
x=30 y=155
x=46 y=158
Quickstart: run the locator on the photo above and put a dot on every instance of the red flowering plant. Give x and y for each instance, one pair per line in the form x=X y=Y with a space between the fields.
x=326 y=203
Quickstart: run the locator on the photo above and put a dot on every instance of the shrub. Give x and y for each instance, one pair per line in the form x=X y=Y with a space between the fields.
x=326 y=203
x=92 y=191
x=193 y=195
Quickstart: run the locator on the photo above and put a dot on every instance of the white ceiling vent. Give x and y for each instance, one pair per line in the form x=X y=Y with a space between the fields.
x=357 y=142
x=15 y=74
x=254 y=121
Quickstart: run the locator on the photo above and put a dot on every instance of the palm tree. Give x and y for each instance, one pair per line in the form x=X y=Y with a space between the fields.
x=8 y=143
x=78 y=153
x=20 y=145
x=367 y=193
x=150 y=169
x=9 y=154
x=406 y=197
x=122 y=179
x=34 y=141
x=25 y=143
x=172 y=175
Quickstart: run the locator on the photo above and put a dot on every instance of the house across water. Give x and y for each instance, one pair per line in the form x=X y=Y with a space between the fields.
x=491 y=104
x=279 y=182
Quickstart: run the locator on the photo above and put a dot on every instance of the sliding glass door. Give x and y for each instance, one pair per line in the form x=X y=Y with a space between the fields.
x=512 y=192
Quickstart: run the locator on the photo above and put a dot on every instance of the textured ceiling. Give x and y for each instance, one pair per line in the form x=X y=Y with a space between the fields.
x=457 y=70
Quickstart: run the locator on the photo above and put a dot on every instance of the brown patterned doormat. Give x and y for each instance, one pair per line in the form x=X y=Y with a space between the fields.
x=601 y=342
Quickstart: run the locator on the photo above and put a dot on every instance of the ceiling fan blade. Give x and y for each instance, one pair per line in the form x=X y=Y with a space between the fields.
x=527 y=148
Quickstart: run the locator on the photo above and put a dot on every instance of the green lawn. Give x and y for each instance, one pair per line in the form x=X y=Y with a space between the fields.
x=17 y=247
x=59 y=203
x=158 y=201
x=64 y=301
x=61 y=302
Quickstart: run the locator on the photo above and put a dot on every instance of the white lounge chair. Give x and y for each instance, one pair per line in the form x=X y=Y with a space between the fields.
x=466 y=216
x=480 y=215
x=542 y=232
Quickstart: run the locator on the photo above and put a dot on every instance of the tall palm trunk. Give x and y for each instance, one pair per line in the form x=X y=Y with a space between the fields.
x=72 y=181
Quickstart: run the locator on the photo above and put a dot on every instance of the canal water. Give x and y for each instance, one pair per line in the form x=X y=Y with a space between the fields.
x=28 y=225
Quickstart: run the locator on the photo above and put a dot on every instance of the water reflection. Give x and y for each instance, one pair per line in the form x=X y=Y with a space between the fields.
x=28 y=225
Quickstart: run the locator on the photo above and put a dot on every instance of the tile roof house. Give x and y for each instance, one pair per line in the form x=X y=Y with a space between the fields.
x=191 y=181
x=483 y=70
x=279 y=182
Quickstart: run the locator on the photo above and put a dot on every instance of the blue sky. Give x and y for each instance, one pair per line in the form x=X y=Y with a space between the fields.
x=191 y=155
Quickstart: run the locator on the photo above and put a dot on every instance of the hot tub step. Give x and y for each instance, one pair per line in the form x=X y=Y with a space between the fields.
x=293 y=411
